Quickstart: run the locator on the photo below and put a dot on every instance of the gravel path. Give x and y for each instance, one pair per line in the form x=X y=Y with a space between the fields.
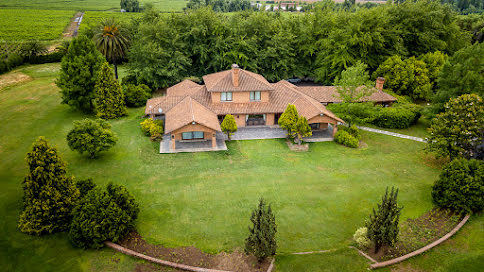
x=393 y=134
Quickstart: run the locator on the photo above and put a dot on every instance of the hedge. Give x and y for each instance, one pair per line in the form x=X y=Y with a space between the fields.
x=9 y=62
x=401 y=115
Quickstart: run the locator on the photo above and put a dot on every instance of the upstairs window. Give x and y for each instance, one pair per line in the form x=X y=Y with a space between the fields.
x=226 y=96
x=255 y=96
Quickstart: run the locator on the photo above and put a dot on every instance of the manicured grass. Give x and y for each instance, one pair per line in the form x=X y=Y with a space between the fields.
x=19 y=24
x=84 y=5
x=417 y=130
x=205 y=199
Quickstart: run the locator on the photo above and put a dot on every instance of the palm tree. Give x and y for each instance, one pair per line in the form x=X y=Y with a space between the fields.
x=112 y=41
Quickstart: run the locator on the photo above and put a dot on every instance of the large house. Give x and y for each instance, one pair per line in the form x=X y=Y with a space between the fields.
x=193 y=112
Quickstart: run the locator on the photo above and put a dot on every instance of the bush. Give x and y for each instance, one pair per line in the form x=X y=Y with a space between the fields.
x=361 y=238
x=346 y=139
x=91 y=137
x=85 y=186
x=460 y=186
x=136 y=96
x=152 y=128
x=353 y=131
x=103 y=216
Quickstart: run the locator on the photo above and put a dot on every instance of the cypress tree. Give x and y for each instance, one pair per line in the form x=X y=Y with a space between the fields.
x=262 y=235
x=383 y=224
x=288 y=120
x=109 y=95
x=229 y=126
x=49 y=194
x=79 y=71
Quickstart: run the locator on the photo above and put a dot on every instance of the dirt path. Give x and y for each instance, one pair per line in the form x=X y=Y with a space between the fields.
x=71 y=30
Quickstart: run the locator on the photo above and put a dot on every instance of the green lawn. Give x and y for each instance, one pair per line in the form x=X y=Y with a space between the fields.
x=84 y=5
x=205 y=199
x=19 y=24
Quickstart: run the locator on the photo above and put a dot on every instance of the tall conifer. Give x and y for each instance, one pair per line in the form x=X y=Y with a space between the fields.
x=49 y=194
x=262 y=235
x=109 y=95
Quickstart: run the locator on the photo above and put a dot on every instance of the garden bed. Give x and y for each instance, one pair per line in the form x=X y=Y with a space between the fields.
x=419 y=232
x=298 y=148
x=192 y=256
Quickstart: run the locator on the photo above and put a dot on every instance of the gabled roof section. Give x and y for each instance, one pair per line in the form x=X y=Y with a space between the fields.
x=329 y=94
x=306 y=105
x=188 y=111
x=186 y=87
x=247 y=81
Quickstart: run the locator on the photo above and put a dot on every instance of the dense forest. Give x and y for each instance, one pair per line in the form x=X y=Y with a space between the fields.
x=317 y=45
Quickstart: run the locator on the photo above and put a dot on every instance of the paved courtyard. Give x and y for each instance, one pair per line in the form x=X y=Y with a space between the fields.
x=186 y=146
x=257 y=132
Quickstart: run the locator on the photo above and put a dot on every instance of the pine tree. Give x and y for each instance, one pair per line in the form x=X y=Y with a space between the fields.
x=288 y=120
x=229 y=126
x=383 y=224
x=49 y=194
x=109 y=95
x=302 y=129
x=79 y=71
x=262 y=235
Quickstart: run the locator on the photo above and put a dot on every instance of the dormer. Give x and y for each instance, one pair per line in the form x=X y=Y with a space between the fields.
x=237 y=86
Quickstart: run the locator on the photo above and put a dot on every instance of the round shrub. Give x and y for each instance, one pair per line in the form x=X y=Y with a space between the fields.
x=146 y=125
x=361 y=238
x=85 y=186
x=136 y=96
x=353 y=131
x=103 y=216
x=460 y=186
x=346 y=139
x=156 y=130
x=91 y=137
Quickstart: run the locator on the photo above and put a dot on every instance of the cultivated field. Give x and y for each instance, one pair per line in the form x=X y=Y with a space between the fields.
x=205 y=199
x=84 y=5
x=26 y=24
x=92 y=18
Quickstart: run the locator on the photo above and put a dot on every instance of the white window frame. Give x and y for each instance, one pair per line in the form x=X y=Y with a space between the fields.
x=255 y=96
x=226 y=96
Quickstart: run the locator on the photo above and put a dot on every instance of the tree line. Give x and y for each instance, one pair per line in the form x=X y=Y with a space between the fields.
x=317 y=45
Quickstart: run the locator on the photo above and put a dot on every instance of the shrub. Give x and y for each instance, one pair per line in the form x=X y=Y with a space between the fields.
x=146 y=125
x=346 y=139
x=460 y=186
x=85 y=186
x=229 y=126
x=103 y=216
x=383 y=223
x=152 y=128
x=352 y=130
x=262 y=237
x=49 y=194
x=91 y=137
x=361 y=238
x=136 y=96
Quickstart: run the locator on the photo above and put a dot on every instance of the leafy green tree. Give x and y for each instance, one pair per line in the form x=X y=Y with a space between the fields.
x=109 y=96
x=462 y=74
x=229 y=126
x=302 y=129
x=79 y=71
x=91 y=137
x=130 y=5
x=136 y=95
x=354 y=84
x=434 y=62
x=103 y=216
x=460 y=186
x=84 y=186
x=112 y=41
x=406 y=77
x=262 y=234
x=288 y=120
x=383 y=223
x=459 y=130
x=49 y=194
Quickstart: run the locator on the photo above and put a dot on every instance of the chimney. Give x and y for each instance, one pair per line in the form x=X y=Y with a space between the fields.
x=235 y=75
x=379 y=83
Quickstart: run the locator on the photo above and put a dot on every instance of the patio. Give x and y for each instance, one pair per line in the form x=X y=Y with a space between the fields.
x=191 y=146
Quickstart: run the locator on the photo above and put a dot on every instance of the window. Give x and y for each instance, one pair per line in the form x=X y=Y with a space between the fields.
x=314 y=125
x=254 y=96
x=192 y=135
x=226 y=96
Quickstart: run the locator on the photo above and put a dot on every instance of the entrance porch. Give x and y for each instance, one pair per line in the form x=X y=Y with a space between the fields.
x=170 y=145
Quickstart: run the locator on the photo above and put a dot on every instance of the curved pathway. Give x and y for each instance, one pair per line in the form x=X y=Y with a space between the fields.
x=392 y=134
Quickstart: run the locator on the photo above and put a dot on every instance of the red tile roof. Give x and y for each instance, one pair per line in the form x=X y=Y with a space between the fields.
x=328 y=94
x=188 y=111
x=248 y=81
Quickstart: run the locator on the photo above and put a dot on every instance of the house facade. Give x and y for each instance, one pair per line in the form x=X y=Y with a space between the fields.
x=193 y=112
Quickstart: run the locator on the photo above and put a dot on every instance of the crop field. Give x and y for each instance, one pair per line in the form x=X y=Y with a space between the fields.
x=85 y=5
x=92 y=18
x=16 y=24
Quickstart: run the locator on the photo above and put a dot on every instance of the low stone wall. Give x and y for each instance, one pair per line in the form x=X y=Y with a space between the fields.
x=423 y=249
